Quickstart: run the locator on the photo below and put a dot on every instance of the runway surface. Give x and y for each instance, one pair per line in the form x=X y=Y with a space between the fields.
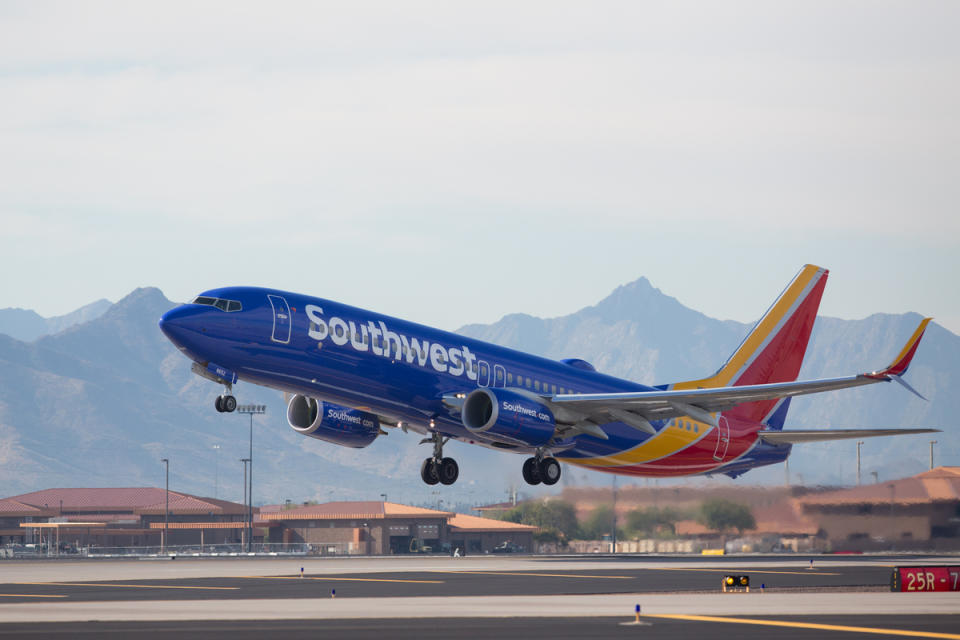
x=653 y=628
x=449 y=582
x=481 y=596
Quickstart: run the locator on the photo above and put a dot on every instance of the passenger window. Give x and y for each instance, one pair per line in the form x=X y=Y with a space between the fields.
x=561 y=390
x=528 y=383
x=499 y=374
x=509 y=378
x=536 y=385
x=553 y=388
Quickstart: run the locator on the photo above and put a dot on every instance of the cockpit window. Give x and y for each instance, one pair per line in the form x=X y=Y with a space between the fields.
x=219 y=303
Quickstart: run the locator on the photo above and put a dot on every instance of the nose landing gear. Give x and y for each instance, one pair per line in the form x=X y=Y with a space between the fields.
x=225 y=402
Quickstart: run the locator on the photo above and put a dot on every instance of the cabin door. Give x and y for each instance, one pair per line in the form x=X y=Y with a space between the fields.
x=723 y=440
x=281 y=319
x=499 y=376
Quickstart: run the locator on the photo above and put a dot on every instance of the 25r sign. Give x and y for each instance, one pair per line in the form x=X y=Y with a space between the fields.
x=925 y=579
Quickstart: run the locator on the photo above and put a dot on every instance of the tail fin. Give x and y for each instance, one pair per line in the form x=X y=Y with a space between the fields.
x=773 y=351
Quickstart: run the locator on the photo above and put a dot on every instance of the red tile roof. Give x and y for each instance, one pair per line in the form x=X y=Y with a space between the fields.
x=465 y=523
x=147 y=500
x=937 y=485
x=366 y=510
x=11 y=507
x=95 y=498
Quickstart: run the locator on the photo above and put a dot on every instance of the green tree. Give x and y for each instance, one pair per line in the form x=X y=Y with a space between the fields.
x=557 y=519
x=599 y=523
x=653 y=521
x=723 y=515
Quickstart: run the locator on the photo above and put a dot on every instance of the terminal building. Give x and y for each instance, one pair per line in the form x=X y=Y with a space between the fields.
x=919 y=512
x=381 y=528
x=82 y=518
x=118 y=517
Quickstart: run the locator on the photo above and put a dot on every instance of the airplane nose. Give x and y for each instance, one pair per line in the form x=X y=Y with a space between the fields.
x=173 y=323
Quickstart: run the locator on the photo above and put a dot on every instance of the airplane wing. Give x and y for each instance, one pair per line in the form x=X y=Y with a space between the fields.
x=700 y=403
x=815 y=435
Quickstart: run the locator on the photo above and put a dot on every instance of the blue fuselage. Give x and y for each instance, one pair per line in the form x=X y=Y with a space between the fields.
x=396 y=369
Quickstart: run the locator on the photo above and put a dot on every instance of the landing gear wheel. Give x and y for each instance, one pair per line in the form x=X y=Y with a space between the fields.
x=549 y=470
x=219 y=404
x=229 y=404
x=428 y=471
x=448 y=471
x=531 y=471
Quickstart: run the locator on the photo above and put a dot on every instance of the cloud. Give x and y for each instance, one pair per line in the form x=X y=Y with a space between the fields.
x=372 y=128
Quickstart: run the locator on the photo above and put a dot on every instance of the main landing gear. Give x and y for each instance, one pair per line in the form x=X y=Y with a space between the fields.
x=437 y=468
x=540 y=469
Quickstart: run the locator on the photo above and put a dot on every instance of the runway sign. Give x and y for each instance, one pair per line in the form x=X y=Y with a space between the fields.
x=914 y=579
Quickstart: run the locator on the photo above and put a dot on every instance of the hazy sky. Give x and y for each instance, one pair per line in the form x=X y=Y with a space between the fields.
x=450 y=162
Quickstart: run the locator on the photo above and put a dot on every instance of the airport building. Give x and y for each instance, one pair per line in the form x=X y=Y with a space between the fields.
x=919 y=512
x=73 y=519
x=118 y=517
x=381 y=528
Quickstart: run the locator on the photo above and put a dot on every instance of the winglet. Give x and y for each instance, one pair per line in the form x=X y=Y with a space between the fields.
x=902 y=362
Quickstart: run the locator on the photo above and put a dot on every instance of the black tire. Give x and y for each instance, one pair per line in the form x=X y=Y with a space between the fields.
x=229 y=404
x=549 y=471
x=218 y=403
x=448 y=471
x=428 y=471
x=531 y=472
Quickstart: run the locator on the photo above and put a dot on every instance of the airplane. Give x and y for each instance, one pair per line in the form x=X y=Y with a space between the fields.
x=348 y=373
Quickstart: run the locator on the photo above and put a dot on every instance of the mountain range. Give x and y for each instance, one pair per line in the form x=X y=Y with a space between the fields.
x=100 y=396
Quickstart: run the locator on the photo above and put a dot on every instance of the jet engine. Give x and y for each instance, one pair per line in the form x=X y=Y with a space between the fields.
x=333 y=423
x=500 y=415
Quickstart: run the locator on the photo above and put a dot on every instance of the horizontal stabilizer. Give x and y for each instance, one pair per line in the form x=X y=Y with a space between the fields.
x=816 y=435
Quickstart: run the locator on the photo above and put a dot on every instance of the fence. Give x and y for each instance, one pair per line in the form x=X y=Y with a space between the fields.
x=208 y=550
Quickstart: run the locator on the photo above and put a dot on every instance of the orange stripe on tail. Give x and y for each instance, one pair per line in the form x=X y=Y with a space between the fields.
x=773 y=351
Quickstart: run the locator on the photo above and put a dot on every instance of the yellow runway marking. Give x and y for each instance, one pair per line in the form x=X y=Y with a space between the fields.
x=809 y=625
x=127 y=586
x=27 y=595
x=337 y=579
x=544 y=575
x=784 y=573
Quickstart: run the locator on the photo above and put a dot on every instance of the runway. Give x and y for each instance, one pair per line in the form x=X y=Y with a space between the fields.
x=570 y=597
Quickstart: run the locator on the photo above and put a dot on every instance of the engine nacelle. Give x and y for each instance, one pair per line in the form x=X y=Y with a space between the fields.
x=333 y=423
x=506 y=416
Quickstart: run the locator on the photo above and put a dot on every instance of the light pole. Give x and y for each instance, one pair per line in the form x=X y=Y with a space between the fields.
x=251 y=410
x=384 y=496
x=614 y=536
x=216 y=471
x=859 y=443
x=166 y=508
x=243 y=533
x=932 y=442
